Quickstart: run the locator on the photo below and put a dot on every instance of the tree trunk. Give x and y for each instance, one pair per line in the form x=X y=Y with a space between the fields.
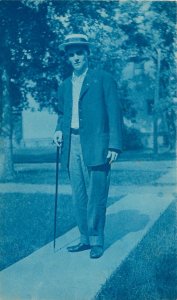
x=156 y=102
x=6 y=158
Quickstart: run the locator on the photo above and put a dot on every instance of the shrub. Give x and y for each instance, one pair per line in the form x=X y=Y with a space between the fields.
x=132 y=138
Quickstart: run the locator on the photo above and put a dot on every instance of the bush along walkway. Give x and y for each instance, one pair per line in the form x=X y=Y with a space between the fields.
x=49 y=275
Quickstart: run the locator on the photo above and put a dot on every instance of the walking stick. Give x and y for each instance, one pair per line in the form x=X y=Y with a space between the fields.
x=56 y=196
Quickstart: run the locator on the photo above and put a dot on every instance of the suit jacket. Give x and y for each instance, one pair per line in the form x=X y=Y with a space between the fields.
x=100 y=117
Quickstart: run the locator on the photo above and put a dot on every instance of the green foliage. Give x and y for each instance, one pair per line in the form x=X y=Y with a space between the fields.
x=132 y=139
x=129 y=110
x=32 y=30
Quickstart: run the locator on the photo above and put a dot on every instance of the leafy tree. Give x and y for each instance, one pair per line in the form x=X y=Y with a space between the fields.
x=31 y=64
x=124 y=31
x=23 y=48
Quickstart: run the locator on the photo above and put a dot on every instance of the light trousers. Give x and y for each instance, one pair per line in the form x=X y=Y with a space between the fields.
x=90 y=186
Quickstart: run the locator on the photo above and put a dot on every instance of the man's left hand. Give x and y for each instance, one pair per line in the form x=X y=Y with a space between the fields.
x=112 y=156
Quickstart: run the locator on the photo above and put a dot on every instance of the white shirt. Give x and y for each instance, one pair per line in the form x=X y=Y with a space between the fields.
x=77 y=82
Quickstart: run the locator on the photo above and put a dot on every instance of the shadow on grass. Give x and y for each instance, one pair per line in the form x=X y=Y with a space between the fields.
x=120 y=224
x=150 y=271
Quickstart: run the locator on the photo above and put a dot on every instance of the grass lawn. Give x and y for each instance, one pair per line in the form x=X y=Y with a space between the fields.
x=150 y=271
x=118 y=177
x=48 y=154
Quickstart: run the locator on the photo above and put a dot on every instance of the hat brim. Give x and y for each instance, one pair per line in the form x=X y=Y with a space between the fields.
x=63 y=46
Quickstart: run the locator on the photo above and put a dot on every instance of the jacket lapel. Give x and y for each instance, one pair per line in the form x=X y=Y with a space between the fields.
x=69 y=94
x=86 y=84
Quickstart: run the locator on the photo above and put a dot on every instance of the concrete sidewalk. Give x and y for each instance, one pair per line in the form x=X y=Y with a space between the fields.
x=45 y=275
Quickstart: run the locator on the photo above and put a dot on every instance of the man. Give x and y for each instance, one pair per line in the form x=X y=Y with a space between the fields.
x=90 y=131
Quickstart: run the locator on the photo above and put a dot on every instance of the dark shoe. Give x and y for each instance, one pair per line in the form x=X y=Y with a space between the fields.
x=96 y=252
x=78 y=248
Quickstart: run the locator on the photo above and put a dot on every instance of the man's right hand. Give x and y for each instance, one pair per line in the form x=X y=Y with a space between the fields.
x=58 y=138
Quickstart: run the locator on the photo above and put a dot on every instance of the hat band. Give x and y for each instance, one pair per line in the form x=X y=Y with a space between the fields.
x=76 y=40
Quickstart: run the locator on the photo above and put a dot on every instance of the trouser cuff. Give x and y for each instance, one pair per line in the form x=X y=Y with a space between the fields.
x=84 y=239
x=96 y=240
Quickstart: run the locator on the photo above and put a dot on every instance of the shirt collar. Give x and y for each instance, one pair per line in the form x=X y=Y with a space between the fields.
x=75 y=77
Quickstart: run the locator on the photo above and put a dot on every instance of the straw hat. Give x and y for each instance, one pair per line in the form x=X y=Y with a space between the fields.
x=74 y=39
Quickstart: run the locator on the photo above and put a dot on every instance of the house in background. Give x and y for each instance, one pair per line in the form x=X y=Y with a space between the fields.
x=141 y=92
x=34 y=128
